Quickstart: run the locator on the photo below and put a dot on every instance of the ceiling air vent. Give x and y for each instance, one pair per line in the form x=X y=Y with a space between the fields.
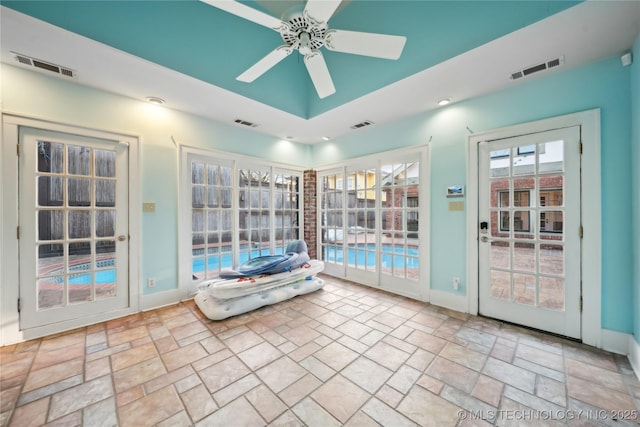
x=536 y=68
x=362 y=124
x=47 y=66
x=245 y=123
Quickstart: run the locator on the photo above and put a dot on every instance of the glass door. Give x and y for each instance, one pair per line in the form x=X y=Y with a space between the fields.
x=369 y=222
x=74 y=227
x=529 y=245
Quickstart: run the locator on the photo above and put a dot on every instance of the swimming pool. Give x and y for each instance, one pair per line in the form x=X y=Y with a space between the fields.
x=359 y=255
x=365 y=254
x=218 y=261
x=102 y=277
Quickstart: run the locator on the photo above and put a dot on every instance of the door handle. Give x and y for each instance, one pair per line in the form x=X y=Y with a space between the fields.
x=485 y=239
x=122 y=238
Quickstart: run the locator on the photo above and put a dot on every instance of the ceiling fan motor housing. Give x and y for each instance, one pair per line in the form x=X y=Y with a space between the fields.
x=293 y=33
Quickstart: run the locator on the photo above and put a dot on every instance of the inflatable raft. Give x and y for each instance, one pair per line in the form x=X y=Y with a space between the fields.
x=260 y=281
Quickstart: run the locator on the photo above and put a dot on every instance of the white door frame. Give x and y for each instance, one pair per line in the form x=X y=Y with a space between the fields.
x=591 y=267
x=9 y=257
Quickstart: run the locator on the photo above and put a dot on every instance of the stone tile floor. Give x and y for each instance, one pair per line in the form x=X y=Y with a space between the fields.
x=345 y=355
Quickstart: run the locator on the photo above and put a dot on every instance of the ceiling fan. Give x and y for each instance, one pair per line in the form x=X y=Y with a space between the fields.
x=306 y=31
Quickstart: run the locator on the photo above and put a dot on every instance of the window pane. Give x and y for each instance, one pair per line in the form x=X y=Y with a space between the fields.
x=551 y=156
x=79 y=160
x=79 y=192
x=79 y=224
x=50 y=225
x=197 y=173
x=50 y=191
x=50 y=157
x=524 y=159
x=499 y=164
x=105 y=193
x=105 y=223
x=105 y=163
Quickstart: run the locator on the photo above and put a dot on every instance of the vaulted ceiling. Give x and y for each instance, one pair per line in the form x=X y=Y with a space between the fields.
x=190 y=53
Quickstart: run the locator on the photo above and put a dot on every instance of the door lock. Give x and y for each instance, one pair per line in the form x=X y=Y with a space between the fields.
x=484 y=227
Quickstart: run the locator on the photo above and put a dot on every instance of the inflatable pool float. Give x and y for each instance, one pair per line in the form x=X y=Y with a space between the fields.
x=295 y=256
x=260 y=281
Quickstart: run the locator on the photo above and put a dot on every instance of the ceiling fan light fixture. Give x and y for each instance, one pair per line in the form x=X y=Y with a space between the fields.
x=444 y=102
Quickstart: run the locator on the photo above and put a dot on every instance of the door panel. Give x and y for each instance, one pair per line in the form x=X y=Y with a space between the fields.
x=529 y=254
x=369 y=223
x=74 y=227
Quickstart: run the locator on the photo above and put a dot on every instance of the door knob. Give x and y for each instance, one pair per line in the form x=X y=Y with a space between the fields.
x=122 y=238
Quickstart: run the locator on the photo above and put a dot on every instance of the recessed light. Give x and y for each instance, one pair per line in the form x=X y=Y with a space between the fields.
x=443 y=102
x=155 y=100
x=289 y=137
x=325 y=138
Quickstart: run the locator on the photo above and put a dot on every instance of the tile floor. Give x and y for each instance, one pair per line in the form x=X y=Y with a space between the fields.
x=345 y=355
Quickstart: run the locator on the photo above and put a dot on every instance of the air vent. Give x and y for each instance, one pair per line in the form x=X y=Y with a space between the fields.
x=245 y=123
x=47 y=66
x=536 y=68
x=362 y=124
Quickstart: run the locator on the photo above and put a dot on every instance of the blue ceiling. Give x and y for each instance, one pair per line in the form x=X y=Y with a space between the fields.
x=206 y=43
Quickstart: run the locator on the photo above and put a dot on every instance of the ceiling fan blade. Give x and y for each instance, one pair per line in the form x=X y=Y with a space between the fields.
x=265 y=64
x=319 y=73
x=246 y=12
x=367 y=44
x=321 y=10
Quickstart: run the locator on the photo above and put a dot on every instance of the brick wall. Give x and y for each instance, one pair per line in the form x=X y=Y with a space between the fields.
x=310 y=178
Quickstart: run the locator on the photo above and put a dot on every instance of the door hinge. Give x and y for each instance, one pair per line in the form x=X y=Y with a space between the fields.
x=580 y=147
x=18 y=150
x=18 y=232
x=581 y=304
x=581 y=232
x=19 y=305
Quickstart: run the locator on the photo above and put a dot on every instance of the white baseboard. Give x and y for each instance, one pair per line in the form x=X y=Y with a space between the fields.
x=613 y=341
x=634 y=355
x=449 y=300
x=160 y=299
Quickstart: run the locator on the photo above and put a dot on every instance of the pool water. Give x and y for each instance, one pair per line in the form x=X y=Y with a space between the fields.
x=102 y=277
x=364 y=254
x=225 y=260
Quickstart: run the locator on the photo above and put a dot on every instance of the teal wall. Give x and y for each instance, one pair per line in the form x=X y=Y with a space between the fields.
x=635 y=150
x=603 y=85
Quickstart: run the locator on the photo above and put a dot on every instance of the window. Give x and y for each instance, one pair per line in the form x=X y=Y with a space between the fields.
x=238 y=209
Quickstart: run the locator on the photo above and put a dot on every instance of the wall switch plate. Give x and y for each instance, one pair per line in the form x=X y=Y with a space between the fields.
x=148 y=207
x=456 y=206
x=151 y=282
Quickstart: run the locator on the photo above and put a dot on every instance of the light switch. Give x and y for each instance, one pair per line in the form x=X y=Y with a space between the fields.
x=148 y=207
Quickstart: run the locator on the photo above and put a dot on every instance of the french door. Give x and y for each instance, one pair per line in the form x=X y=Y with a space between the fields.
x=74 y=226
x=529 y=230
x=369 y=222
